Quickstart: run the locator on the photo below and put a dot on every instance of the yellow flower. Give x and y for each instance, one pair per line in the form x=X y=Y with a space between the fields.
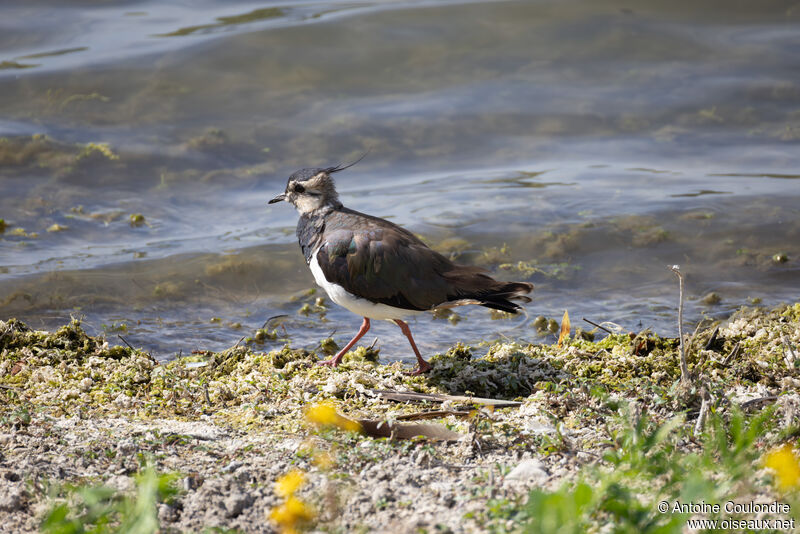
x=786 y=465
x=290 y=513
x=288 y=483
x=324 y=414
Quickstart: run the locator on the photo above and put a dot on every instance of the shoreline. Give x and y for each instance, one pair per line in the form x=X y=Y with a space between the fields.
x=228 y=425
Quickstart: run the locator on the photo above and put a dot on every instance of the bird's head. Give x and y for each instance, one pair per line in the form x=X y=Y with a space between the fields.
x=311 y=189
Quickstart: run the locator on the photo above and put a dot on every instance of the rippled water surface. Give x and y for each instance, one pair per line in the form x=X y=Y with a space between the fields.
x=581 y=145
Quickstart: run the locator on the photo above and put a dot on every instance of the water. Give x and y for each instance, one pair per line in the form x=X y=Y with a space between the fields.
x=596 y=142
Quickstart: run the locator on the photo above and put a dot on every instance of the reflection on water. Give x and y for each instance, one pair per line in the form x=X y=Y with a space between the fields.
x=583 y=146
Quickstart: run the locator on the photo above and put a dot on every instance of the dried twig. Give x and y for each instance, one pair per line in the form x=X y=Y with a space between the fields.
x=755 y=402
x=275 y=317
x=597 y=325
x=694 y=336
x=237 y=343
x=733 y=353
x=410 y=396
x=126 y=342
x=636 y=417
x=712 y=339
x=788 y=354
x=436 y=414
x=684 y=368
x=701 y=417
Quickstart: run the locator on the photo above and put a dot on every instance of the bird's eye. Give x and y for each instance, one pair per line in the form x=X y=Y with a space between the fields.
x=299 y=188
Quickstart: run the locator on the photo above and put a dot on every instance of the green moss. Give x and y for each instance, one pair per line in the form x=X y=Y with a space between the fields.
x=363 y=354
x=262 y=335
x=136 y=219
x=552 y=326
x=459 y=352
x=60 y=370
x=281 y=358
x=580 y=333
x=329 y=346
x=792 y=312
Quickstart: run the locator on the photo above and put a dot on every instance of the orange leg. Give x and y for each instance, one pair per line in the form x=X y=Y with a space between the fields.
x=422 y=365
x=333 y=362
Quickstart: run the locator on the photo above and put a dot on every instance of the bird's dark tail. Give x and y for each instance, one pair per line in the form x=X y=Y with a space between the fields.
x=501 y=296
x=471 y=286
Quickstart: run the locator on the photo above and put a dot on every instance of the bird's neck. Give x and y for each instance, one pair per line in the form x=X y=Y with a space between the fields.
x=313 y=207
x=310 y=230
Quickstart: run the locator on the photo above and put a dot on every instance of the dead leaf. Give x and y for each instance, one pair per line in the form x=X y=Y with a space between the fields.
x=18 y=366
x=565 y=328
x=326 y=414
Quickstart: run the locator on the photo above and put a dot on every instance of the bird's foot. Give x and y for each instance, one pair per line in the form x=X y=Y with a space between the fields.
x=422 y=367
x=333 y=362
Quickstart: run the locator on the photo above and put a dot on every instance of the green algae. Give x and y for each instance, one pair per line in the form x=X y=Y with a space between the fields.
x=136 y=219
x=65 y=369
x=20 y=232
x=263 y=335
x=55 y=227
x=328 y=346
x=102 y=150
x=451 y=246
x=556 y=271
x=23 y=153
x=251 y=16
x=16 y=65
x=495 y=255
x=447 y=314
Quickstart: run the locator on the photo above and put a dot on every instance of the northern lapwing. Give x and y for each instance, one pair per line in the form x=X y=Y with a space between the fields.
x=379 y=270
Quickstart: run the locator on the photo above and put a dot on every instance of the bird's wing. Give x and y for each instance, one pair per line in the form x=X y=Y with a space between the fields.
x=384 y=263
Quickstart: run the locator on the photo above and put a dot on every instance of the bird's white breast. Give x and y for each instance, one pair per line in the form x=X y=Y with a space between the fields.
x=357 y=305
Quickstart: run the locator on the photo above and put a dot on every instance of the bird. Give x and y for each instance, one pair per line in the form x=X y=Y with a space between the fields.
x=379 y=270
